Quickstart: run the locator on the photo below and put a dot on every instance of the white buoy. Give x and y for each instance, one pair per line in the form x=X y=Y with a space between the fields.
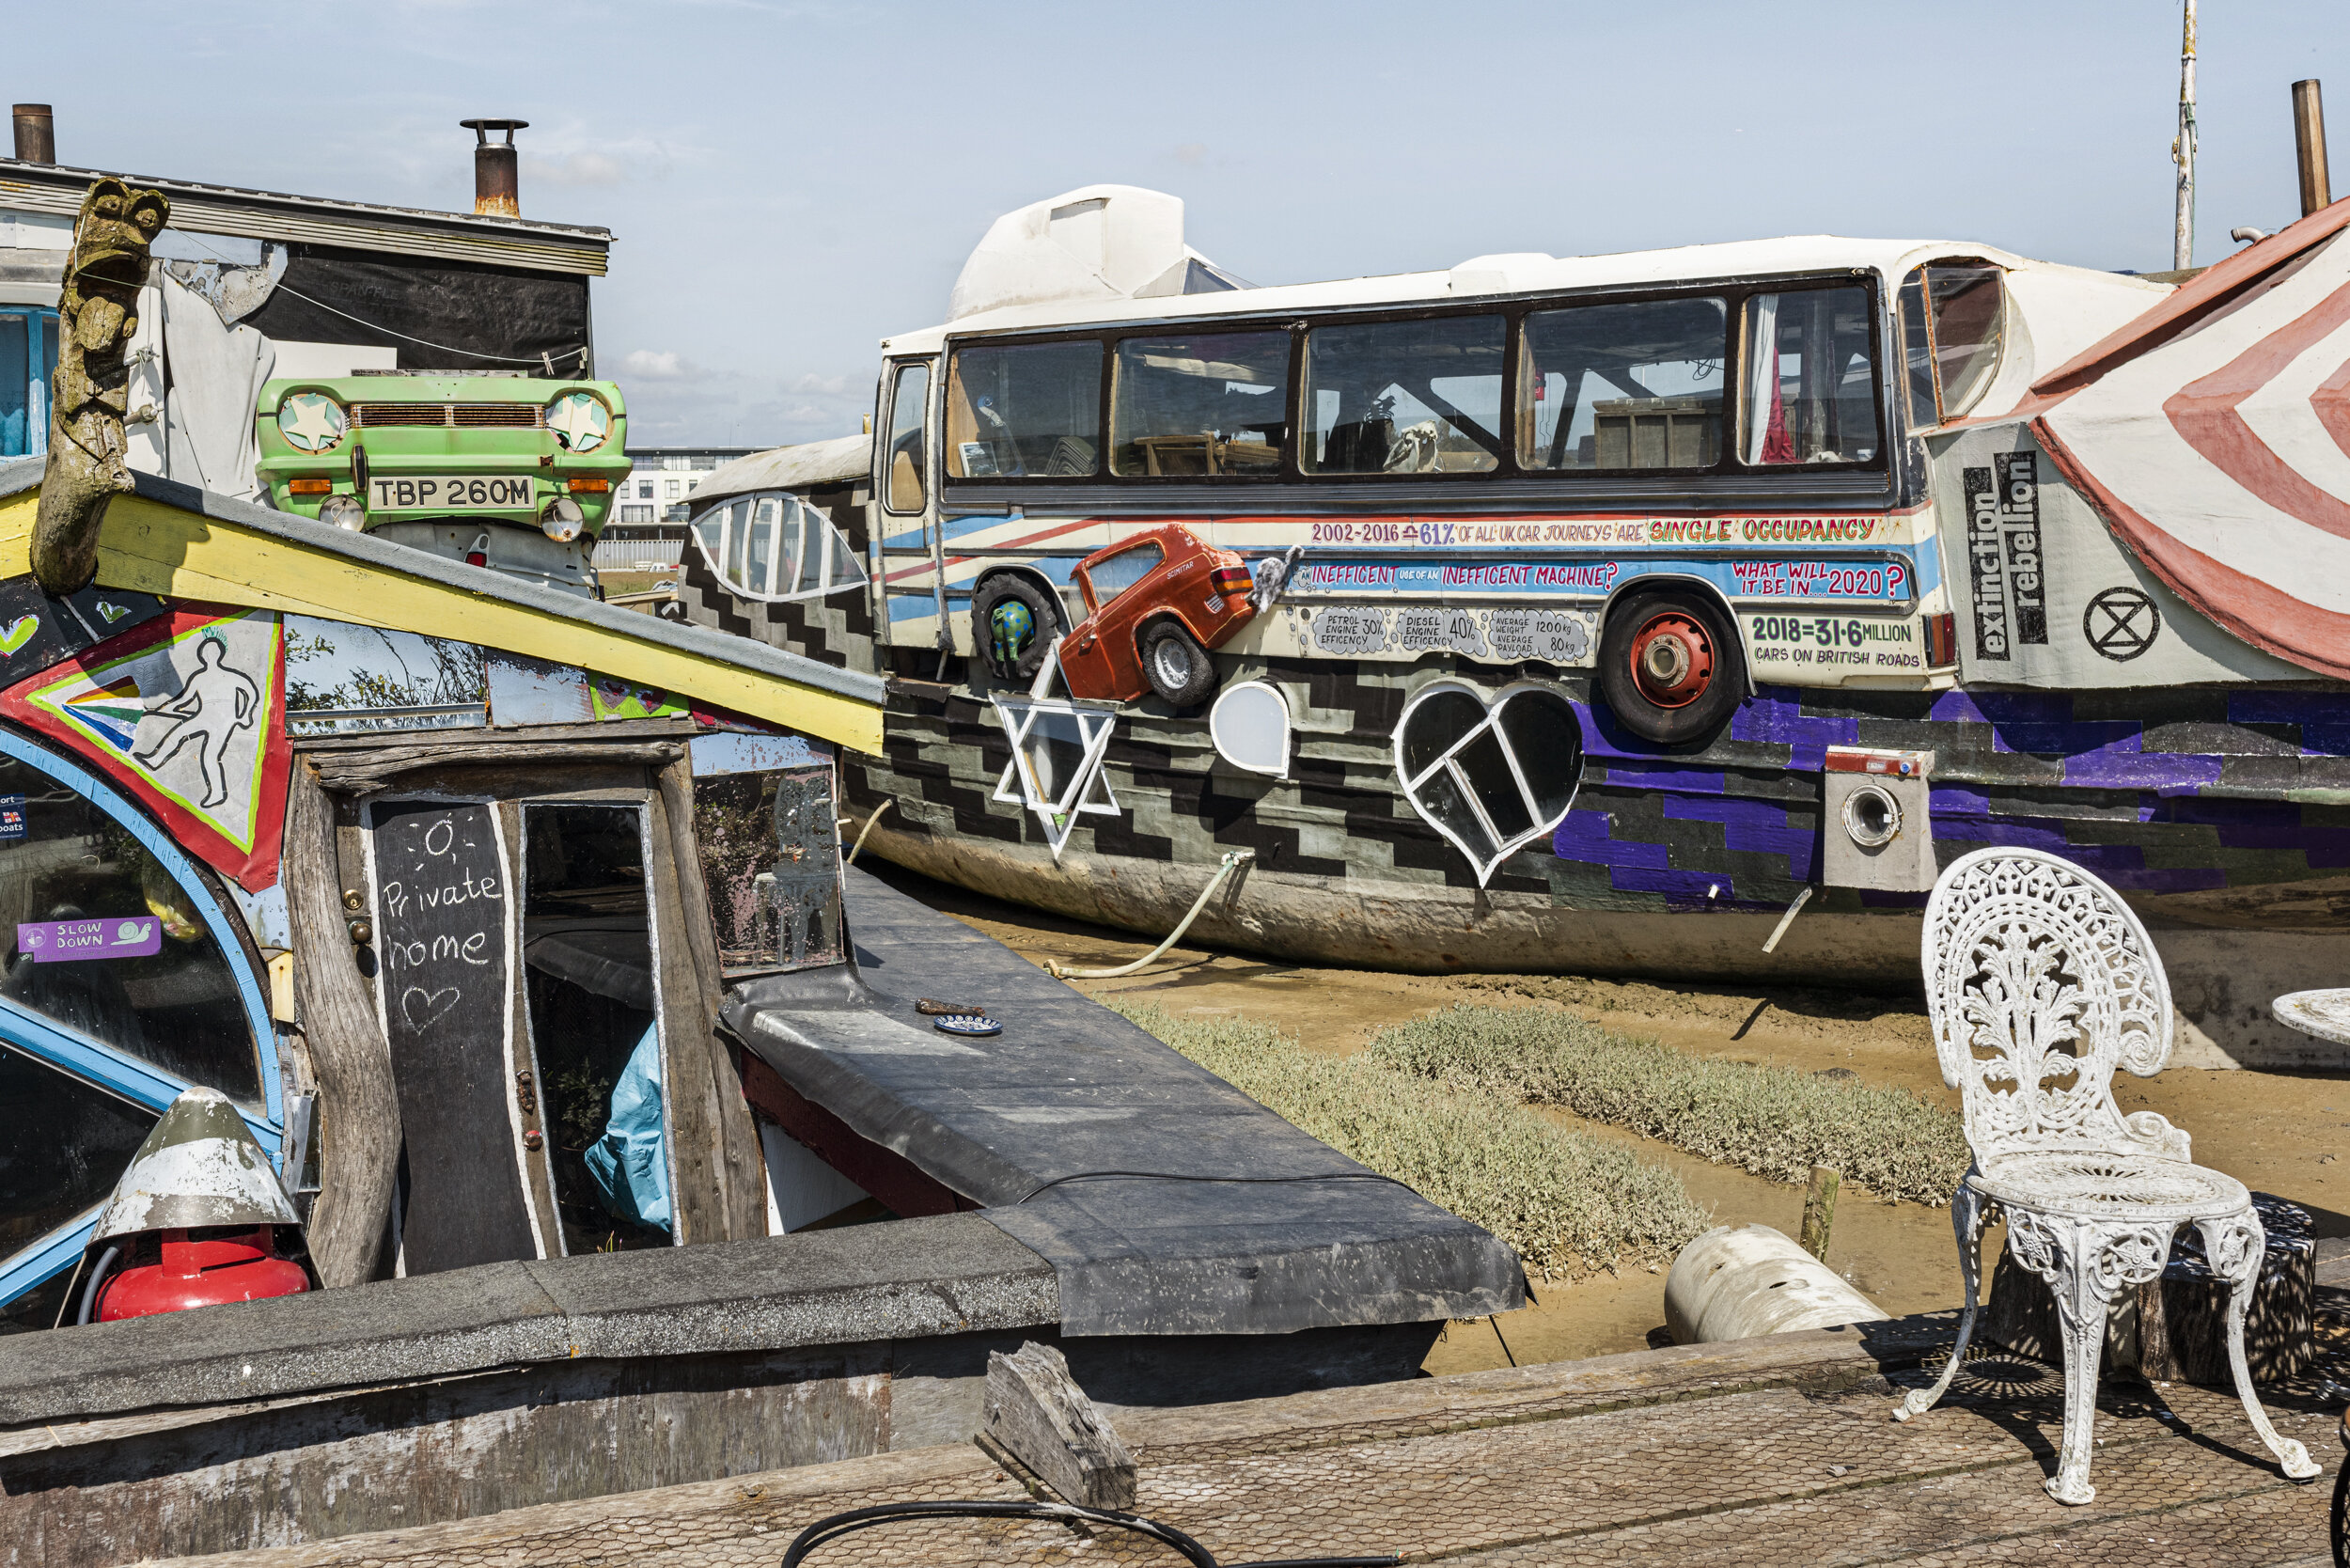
x=1738 y=1282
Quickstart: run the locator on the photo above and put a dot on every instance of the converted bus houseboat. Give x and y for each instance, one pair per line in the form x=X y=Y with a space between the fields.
x=1606 y=610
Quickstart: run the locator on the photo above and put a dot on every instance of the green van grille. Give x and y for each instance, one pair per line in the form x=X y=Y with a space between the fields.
x=522 y=417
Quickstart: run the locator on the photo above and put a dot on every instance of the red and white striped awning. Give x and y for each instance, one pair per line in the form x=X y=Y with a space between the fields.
x=2212 y=433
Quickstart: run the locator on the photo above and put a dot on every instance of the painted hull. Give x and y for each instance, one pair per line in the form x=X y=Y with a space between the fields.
x=2219 y=813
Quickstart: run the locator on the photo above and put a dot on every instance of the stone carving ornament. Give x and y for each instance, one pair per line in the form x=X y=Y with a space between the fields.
x=2039 y=982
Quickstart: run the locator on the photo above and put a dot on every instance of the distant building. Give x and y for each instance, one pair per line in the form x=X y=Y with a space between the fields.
x=648 y=530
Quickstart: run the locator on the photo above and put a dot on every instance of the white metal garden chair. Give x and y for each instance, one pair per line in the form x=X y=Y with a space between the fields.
x=2039 y=980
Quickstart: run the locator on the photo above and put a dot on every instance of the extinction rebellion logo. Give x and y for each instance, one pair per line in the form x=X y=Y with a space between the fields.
x=2003 y=554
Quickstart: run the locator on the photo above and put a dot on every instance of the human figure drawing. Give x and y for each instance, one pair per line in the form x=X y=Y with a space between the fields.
x=212 y=705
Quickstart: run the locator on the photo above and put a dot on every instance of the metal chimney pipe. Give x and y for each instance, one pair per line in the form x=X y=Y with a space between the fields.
x=36 y=133
x=496 y=174
x=2308 y=145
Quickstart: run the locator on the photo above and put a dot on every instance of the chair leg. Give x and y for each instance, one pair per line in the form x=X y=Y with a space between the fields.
x=2236 y=1246
x=2085 y=1265
x=1968 y=1210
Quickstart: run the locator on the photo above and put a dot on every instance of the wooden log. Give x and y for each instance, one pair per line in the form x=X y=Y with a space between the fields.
x=1035 y=1410
x=737 y=1162
x=1819 y=1210
x=358 y=1106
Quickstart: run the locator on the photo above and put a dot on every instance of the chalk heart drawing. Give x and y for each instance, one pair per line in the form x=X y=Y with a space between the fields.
x=423 y=1009
x=20 y=630
x=110 y=613
x=1491 y=771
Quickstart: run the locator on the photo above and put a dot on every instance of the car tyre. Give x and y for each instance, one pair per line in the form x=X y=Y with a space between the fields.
x=1671 y=666
x=1013 y=657
x=1178 y=668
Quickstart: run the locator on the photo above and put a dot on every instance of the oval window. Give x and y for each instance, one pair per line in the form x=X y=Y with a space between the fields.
x=774 y=546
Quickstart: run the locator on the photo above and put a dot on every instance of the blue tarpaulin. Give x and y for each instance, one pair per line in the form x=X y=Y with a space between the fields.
x=628 y=1164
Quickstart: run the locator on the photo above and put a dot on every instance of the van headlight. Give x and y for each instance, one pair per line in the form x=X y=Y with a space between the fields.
x=562 y=519
x=311 y=421
x=344 y=512
x=579 y=421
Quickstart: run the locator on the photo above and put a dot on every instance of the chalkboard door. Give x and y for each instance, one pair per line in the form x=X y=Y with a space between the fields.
x=442 y=901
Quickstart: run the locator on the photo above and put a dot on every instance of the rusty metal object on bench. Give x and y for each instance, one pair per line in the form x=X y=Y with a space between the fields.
x=1039 y=1415
x=2171 y=1329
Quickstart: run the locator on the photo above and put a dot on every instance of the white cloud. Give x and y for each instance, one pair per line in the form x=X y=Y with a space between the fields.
x=659 y=365
x=576 y=168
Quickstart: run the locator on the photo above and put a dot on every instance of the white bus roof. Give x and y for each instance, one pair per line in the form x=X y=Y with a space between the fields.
x=2124 y=296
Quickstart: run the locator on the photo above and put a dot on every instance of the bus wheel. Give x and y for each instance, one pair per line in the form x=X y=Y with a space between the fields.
x=1670 y=666
x=1178 y=668
x=1012 y=623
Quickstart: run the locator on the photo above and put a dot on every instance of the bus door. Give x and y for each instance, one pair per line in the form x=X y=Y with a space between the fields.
x=911 y=566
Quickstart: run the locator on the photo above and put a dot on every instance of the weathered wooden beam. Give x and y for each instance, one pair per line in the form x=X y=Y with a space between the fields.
x=367 y=771
x=359 y=1108
x=1035 y=1410
x=737 y=1163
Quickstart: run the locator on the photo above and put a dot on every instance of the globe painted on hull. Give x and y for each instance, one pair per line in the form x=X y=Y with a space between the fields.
x=1012 y=627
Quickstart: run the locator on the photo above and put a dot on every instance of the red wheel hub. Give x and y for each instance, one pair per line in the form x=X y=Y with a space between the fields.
x=1672 y=659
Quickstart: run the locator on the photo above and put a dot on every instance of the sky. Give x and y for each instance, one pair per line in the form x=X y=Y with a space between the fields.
x=788 y=184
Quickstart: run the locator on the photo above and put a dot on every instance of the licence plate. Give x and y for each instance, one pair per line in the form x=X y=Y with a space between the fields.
x=448 y=493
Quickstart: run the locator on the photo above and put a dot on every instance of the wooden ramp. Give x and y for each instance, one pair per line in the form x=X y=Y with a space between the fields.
x=1759 y=1452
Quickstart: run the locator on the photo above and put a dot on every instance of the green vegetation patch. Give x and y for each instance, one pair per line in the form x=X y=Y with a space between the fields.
x=1567 y=1203
x=1775 y=1121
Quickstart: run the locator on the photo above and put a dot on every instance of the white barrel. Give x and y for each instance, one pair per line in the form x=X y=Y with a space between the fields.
x=1737 y=1281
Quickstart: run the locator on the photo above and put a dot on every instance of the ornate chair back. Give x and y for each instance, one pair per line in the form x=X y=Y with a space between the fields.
x=2039 y=982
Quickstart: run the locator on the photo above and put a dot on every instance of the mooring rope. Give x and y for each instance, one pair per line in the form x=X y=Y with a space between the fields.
x=1232 y=859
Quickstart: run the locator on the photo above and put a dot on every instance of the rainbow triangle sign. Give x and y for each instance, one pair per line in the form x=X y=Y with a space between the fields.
x=190 y=715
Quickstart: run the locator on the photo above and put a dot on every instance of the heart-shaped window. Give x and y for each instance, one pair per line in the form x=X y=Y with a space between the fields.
x=1492 y=774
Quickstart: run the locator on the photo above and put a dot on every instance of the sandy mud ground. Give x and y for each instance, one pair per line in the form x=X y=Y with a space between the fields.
x=2277 y=1132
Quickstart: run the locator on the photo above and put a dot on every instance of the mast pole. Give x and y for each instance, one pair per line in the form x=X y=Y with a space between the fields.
x=2183 y=151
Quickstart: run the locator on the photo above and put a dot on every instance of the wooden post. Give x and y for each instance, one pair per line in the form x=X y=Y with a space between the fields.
x=738 y=1164
x=1819 y=1210
x=1035 y=1410
x=359 y=1107
x=2308 y=145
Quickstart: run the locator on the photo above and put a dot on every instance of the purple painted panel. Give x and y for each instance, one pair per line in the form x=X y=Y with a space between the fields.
x=2126 y=768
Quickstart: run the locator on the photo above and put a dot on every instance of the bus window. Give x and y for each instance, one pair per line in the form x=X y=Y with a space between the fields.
x=1212 y=404
x=1027 y=410
x=908 y=405
x=1623 y=385
x=1811 y=393
x=1404 y=397
x=1953 y=321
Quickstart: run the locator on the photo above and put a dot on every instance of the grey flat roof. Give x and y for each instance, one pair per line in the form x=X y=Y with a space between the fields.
x=1166 y=1200
x=325 y=221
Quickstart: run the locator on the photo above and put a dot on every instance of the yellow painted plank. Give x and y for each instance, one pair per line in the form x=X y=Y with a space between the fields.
x=153 y=548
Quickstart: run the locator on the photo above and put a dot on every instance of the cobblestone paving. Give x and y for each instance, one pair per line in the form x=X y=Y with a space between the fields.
x=1759 y=1478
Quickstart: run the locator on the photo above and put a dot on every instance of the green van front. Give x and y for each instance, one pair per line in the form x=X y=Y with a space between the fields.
x=365 y=451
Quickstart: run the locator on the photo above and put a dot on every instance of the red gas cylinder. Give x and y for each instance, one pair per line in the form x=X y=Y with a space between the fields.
x=217 y=1267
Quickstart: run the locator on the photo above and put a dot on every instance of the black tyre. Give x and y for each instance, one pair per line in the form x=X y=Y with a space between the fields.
x=1012 y=623
x=1671 y=666
x=1178 y=668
